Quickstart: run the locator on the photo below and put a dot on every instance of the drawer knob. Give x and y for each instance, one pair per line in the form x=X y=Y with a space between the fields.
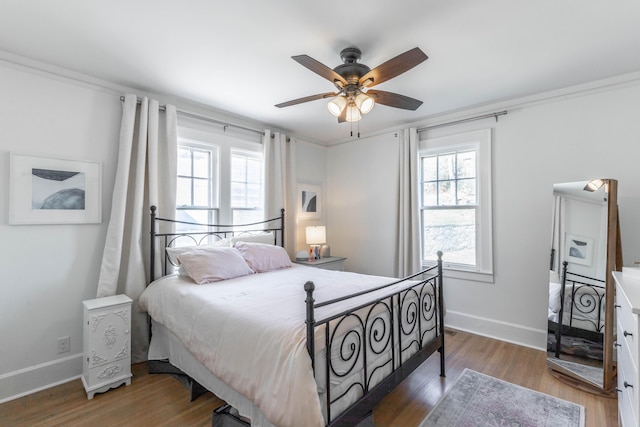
x=627 y=334
x=627 y=385
x=615 y=344
x=617 y=305
x=618 y=390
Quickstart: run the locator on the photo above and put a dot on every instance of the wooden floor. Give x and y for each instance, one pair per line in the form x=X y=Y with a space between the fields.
x=160 y=400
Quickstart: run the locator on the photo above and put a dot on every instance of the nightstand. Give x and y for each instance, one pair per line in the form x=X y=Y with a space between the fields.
x=107 y=343
x=328 y=263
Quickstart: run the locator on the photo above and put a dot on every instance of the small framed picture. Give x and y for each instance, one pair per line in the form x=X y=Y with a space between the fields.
x=54 y=191
x=309 y=201
x=579 y=249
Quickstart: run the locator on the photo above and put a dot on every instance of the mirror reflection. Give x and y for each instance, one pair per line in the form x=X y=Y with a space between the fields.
x=578 y=279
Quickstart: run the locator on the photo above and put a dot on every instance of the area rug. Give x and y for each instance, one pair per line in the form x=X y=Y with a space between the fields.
x=479 y=400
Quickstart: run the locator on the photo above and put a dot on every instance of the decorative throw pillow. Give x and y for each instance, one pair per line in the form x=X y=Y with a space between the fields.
x=262 y=257
x=214 y=264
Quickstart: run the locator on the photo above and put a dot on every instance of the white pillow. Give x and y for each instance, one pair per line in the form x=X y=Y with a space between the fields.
x=266 y=238
x=173 y=253
x=263 y=257
x=214 y=264
x=553 y=277
x=554 y=296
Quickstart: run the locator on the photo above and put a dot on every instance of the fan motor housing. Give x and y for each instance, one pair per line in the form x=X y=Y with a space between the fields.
x=351 y=70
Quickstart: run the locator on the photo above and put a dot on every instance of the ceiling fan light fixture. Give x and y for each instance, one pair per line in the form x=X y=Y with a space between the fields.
x=337 y=105
x=353 y=114
x=364 y=103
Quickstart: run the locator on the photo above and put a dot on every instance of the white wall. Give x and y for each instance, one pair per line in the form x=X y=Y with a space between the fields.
x=568 y=138
x=311 y=167
x=48 y=270
x=362 y=179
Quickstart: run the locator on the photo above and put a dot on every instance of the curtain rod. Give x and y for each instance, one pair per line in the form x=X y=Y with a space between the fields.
x=206 y=119
x=455 y=122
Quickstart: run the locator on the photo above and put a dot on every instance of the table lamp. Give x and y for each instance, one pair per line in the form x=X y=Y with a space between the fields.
x=316 y=236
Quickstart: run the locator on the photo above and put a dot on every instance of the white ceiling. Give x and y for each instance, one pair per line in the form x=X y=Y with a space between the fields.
x=236 y=55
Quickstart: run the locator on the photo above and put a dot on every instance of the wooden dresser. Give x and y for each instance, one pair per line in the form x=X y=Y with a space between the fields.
x=628 y=345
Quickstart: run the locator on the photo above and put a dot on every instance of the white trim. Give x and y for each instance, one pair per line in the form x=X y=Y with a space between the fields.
x=503 y=331
x=25 y=381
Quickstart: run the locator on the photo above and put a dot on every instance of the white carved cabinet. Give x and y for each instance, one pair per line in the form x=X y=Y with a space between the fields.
x=107 y=344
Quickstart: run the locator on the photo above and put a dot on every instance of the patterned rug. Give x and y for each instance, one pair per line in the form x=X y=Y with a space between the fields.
x=479 y=400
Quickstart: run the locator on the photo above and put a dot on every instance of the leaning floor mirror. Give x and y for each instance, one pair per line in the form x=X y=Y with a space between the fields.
x=585 y=249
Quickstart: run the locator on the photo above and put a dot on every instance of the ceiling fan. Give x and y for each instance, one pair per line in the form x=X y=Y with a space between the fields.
x=354 y=80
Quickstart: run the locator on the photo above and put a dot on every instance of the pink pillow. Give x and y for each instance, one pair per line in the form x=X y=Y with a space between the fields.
x=262 y=257
x=214 y=264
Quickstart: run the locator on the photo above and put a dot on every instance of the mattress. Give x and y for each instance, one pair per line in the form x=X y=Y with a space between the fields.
x=249 y=334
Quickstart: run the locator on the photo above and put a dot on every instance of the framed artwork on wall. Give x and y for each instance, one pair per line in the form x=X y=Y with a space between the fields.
x=54 y=191
x=309 y=201
x=579 y=249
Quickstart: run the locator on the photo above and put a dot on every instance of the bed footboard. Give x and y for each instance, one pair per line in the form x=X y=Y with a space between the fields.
x=371 y=348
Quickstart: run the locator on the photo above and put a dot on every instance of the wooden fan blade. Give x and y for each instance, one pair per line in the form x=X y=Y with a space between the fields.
x=320 y=69
x=391 y=99
x=393 y=67
x=343 y=116
x=307 y=99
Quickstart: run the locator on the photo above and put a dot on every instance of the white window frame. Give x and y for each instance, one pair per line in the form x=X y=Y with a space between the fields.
x=257 y=156
x=214 y=177
x=202 y=136
x=481 y=142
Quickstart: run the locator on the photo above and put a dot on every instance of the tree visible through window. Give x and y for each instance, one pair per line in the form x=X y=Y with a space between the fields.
x=449 y=205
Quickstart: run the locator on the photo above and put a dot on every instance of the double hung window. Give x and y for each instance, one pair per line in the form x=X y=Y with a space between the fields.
x=455 y=182
x=220 y=181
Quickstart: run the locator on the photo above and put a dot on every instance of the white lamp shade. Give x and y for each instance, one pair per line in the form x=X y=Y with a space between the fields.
x=365 y=103
x=316 y=235
x=336 y=105
x=353 y=114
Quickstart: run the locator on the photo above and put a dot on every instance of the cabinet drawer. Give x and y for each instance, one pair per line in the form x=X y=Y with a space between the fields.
x=110 y=372
x=627 y=373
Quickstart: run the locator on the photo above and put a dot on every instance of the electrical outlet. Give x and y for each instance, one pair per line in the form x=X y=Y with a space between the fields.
x=64 y=344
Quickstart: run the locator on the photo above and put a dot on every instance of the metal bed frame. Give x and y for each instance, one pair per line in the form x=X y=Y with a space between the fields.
x=401 y=327
x=589 y=301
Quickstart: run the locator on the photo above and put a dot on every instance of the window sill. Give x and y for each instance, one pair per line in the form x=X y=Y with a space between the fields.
x=470 y=275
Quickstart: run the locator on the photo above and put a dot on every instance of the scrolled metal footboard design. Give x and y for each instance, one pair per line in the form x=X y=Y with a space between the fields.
x=374 y=345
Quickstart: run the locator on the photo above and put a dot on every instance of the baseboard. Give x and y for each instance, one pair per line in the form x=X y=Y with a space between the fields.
x=503 y=331
x=40 y=377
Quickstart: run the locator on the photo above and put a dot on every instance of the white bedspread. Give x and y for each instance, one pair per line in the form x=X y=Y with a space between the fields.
x=250 y=332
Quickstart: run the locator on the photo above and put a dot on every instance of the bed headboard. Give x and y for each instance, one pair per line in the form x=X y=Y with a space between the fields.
x=204 y=234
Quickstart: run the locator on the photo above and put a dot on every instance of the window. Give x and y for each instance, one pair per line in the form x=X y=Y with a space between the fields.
x=246 y=187
x=196 y=189
x=455 y=178
x=220 y=179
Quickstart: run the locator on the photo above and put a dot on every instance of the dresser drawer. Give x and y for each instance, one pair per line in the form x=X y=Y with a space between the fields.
x=627 y=325
x=628 y=374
